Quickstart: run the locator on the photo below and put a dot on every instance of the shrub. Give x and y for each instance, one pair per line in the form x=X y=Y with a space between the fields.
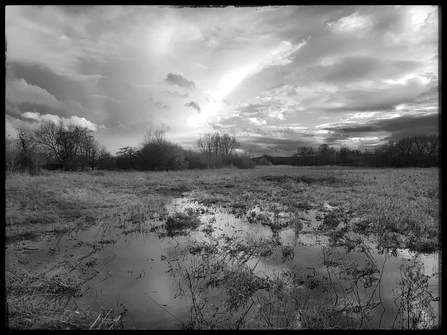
x=243 y=162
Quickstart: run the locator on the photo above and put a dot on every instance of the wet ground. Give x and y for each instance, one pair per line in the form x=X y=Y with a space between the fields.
x=123 y=261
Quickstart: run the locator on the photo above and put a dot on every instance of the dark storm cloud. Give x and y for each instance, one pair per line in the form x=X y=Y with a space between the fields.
x=48 y=80
x=179 y=80
x=194 y=105
x=408 y=126
x=399 y=127
x=431 y=97
x=375 y=99
x=17 y=109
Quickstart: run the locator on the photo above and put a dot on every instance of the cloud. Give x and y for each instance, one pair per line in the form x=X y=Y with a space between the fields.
x=358 y=68
x=52 y=38
x=257 y=121
x=353 y=23
x=218 y=126
x=200 y=66
x=260 y=145
x=282 y=54
x=361 y=115
x=386 y=97
x=179 y=80
x=96 y=96
x=397 y=127
x=75 y=120
x=250 y=109
x=32 y=121
x=20 y=91
x=194 y=105
x=176 y=94
x=161 y=105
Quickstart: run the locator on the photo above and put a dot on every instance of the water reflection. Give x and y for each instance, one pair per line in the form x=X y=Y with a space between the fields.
x=125 y=260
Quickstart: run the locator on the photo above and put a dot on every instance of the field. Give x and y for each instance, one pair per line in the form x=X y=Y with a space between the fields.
x=240 y=249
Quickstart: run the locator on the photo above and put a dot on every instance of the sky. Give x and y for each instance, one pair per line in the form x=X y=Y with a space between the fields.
x=277 y=78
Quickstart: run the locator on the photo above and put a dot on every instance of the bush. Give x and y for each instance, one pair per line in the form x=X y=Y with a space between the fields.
x=156 y=154
x=195 y=160
x=243 y=162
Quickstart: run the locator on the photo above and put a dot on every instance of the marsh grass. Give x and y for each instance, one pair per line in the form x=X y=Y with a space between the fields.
x=180 y=223
x=413 y=299
x=400 y=206
x=44 y=301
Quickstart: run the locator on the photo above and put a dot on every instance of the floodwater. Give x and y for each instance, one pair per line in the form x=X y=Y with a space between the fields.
x=131 y=267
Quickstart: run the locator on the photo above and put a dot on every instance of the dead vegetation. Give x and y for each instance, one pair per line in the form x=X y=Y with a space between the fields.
x=402 y=211
x=46 y=301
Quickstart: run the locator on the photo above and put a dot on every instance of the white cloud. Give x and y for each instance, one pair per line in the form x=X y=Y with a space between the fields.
x=421 y=15
x=75 y=120
x=200 y=66
x=80 y=121
x=352 y=23
x=361 y=115
x=282 y=54
x=257 y=121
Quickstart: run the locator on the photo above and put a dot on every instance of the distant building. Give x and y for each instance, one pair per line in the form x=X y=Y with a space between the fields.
x=271 y=160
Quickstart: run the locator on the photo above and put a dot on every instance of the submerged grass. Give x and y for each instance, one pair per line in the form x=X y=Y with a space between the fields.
x=346 y=294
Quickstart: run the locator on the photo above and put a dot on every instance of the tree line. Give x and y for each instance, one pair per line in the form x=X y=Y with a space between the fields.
x=70 y=148
x=53 y=146
x=56 y=146
x=416 y=151
x=156 y=153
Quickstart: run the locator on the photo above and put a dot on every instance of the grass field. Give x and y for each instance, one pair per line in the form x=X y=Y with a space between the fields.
x=398 y=206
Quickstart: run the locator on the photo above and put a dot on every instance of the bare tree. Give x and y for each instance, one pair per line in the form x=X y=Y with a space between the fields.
x=306 y=155
x=217 y=148
x=205 y=145
x=12 y=154
x=419 y=150
x=47 y=137
x=31 y=159
x=344 y=153
x=70 y=141
x=64 y=143
x=323 y=153
x=229 y=145
x=92 y=151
